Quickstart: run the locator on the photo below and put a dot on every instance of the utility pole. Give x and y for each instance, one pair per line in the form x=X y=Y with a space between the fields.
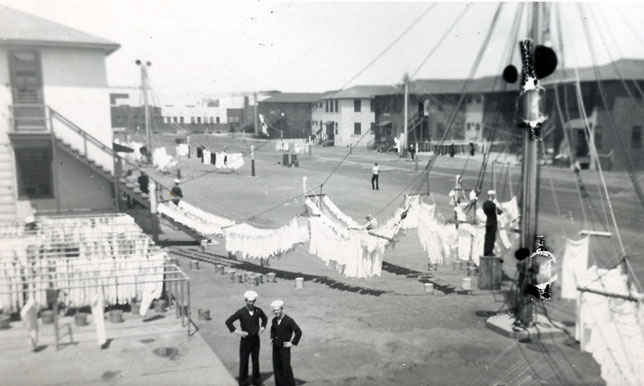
x=405 y=123
x=144 y=90
x=256 y=114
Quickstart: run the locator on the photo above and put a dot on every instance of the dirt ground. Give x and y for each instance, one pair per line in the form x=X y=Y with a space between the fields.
x=403 y=337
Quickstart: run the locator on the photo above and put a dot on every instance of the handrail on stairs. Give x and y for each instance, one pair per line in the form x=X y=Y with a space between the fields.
x=88 y=137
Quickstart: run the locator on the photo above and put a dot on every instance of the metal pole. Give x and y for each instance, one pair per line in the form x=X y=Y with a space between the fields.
x=252 y=160
x=531 y=120
x=405 y=117
x=144 y=90
x=256 y=115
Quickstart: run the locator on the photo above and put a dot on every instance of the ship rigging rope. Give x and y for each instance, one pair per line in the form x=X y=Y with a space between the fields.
x=592 y=141
x=396 y=40
x=592 y=144
x=475 y=65
x=440 y=41
x=506 y=58
x=627 y=156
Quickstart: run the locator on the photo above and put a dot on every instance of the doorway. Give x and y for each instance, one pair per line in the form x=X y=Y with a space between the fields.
x=27 y=91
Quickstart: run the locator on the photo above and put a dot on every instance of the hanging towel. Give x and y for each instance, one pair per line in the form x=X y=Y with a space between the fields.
x=29 y=315
x=98 y=306
x=574 y=264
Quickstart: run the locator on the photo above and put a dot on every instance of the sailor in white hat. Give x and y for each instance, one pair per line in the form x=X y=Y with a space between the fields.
x=252 y=322
x=285 y=333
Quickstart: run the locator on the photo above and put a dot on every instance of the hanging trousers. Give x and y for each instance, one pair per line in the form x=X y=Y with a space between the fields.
x=282 y=371
x=249 y=346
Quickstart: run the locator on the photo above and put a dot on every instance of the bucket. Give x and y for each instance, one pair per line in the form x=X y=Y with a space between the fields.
x=80 y=319
x=299 y=282
x=271 y=277
x=116 y=316
x=47 y=317
x=135 y=308
x=467 y=284
x=429 y=288
x=4 y=321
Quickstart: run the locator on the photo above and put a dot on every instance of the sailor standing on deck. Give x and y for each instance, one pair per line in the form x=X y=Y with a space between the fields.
x=491 y=208
x=252 y=321
x=285 y=333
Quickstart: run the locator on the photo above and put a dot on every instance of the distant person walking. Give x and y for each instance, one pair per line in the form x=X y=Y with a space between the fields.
x=176 y=192
x=375 y=171
x=412 y=150
x=252 y=321
x=285 y=333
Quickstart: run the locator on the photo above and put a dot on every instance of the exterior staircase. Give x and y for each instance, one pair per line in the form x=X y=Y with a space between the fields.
x=127 y=185
x=8 y=210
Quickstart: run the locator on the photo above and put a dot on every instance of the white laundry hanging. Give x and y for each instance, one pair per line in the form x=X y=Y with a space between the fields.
x=573 y=266
x=248 y=242
x=98 y=317
x=611 y=327
x=29 y=316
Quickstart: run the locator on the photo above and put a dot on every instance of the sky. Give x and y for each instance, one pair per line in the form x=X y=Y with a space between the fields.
x=208 y=47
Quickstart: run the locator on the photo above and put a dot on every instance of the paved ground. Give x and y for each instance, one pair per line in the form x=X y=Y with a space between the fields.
x=128 y=360
x=404 y=337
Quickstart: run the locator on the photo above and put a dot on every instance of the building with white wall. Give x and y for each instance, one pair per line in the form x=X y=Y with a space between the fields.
x=55 y=129
x=348 y=116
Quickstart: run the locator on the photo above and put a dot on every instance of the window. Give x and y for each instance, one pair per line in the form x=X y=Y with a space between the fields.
x=636 y=137
x=34 y=172
x=357 y=128
x=356 y=105
x=372 y=108
x=335 y=102
x=326 y=106
x=181 y=119
x=174 y=119
x=373 y=127
x=217 y=120
x=199 y=120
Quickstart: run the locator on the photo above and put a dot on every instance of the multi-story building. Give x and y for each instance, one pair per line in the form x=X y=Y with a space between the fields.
x=489 y=112
x=288 y=115
x=55 y=129
x=348 y=116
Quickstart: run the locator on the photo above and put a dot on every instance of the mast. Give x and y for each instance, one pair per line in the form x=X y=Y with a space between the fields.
x=531 y=120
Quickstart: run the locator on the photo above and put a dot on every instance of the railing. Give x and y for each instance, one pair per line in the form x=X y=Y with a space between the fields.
x=89 y=140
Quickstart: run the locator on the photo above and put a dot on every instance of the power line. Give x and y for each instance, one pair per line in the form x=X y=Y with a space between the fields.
x=452 y=118
x=396 y=40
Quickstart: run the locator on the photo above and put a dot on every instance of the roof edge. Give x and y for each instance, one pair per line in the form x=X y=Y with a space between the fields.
x=109 y=48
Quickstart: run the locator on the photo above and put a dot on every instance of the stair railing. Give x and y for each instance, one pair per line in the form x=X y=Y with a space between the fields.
x=87 y=138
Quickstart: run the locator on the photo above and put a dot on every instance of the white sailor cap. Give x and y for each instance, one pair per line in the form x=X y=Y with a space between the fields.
x=250 y=295
x=30 y=219
x=177 y=181
x=277 y=304
x=491 y=192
